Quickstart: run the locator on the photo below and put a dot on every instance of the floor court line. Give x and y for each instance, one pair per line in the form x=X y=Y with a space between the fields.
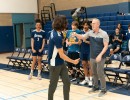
x=2 y=98
x=44 y=90
x=20 y=79
x=110 y=90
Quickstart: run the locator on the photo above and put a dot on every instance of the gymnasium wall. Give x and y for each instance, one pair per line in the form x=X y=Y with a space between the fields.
x=28 y=21
x=5 y=19
x=92 y=6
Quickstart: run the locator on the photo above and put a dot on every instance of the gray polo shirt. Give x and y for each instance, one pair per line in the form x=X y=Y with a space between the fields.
x=96 y=42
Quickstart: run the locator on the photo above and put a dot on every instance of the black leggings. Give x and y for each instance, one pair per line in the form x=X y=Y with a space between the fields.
x=73 y=55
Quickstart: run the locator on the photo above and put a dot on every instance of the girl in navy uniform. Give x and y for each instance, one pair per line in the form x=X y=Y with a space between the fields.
x=37 y=45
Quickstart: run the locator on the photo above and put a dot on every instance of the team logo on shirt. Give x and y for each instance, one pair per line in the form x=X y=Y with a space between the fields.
x=115 y=56
x=128 y=58
x=72 y=38
x=37 y=36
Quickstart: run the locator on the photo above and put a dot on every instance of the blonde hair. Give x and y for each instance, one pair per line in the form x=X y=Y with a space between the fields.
x=97 y=20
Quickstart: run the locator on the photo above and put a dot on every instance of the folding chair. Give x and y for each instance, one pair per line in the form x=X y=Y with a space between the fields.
x=45 y=60
x=81 y=70
x=13 y=56
x=114 y=57
x=122 y=71
x=26 y=61
x=20 y=58
x=128 y=80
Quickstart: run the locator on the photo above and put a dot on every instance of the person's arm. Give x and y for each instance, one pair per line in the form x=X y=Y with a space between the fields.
x=105 y=42
x=58 y=44
x=113 y=39
x=67 y=42
x=99 y=57
x=79 y=42
x=32 y=42
x=79 y=36
x=66 y=58
x=120 y=38
x=43 y=43
x=86 y=41
x=32 y=45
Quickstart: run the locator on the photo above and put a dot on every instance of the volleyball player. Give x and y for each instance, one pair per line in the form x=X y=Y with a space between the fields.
x=37 y=45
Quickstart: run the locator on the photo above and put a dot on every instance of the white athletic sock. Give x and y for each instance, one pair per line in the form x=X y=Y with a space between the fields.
x=31 y=72
x=39 y=72
x=86 y=78
x=90 y=78
x=129 y=45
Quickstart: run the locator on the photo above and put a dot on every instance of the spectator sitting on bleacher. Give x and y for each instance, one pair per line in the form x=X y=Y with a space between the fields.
x=128 y=37
x=119 y=26
x=117 y=40
x=120 y=13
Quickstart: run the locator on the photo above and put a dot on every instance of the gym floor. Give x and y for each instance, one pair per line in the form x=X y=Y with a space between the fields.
x=14 y=85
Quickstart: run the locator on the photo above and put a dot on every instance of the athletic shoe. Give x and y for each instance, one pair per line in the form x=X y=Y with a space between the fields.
x=74 y=79
x=30 y=77
x=39 y=77
x=102 y=93
x=93 y=90
x=90 y=83
x=60 y=80
x=83 y=82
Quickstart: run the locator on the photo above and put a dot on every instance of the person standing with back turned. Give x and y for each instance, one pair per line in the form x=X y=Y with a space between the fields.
x=98 y=46
x=56 y=58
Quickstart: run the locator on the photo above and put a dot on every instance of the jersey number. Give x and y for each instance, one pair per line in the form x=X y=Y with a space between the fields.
x=37 y=39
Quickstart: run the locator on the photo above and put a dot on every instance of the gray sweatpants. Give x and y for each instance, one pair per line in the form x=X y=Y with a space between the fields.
x=55 y=72
x=98 y=73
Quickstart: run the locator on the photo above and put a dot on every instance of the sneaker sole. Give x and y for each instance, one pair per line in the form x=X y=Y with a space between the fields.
x=93 y=92
x=29 y=78
x=102 y=95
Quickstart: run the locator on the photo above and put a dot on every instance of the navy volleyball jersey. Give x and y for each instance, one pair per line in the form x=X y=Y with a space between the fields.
x=38 y=38
x=55 y=43
x=85 y=48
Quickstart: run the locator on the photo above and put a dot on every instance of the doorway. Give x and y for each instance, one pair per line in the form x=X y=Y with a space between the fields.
x=19 y=35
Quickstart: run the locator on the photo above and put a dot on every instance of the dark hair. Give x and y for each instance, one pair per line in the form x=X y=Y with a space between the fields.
x=86 y=22
x=38 y=21
x=59 y=22
x=129 y=25
x=117 y=28
x=75 y=23
x=119 y=24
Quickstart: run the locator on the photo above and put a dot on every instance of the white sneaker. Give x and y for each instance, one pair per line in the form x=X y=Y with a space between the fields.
x=74 y=79
x=30 y=77
x=39 y=77
x=90 y=83
x=83 y=82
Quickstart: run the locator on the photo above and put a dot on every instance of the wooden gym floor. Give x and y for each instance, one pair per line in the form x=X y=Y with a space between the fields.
x=16 y=86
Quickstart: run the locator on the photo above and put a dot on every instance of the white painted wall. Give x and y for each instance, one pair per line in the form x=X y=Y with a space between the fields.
x=18 y=6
